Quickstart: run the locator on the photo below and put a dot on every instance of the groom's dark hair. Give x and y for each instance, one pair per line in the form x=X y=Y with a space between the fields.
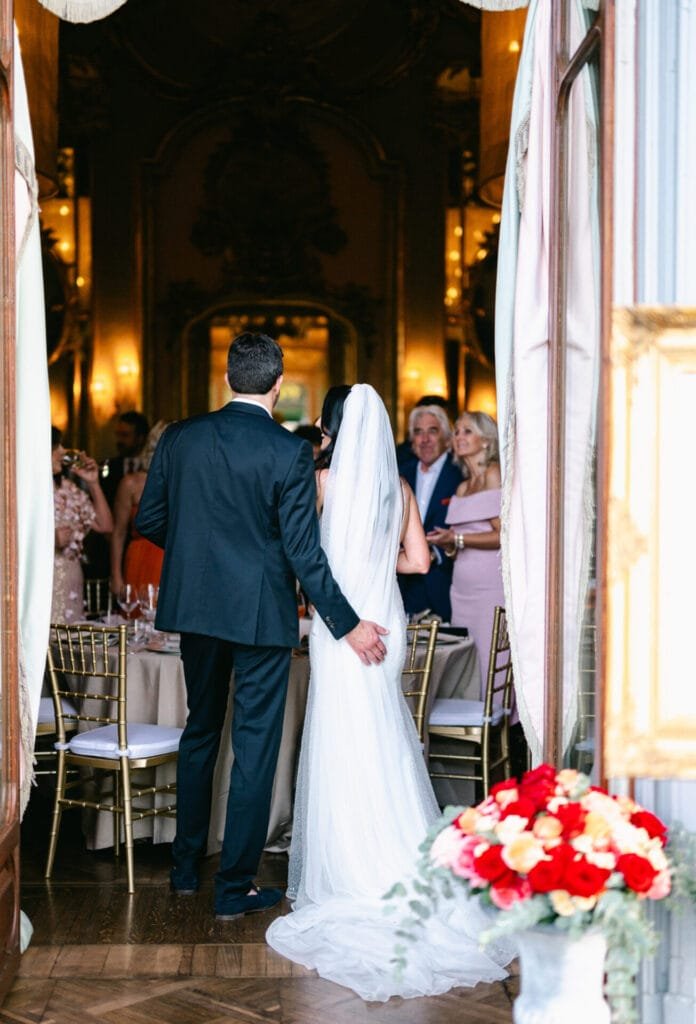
x=254 y=363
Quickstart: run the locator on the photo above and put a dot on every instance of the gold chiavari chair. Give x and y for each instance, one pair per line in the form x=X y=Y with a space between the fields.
x=46 y=735
x=479 y=722
x=88 y=672
x=421 y=639
x=97 y=598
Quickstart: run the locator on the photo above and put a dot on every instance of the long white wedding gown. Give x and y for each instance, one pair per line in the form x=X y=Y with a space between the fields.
x=364 y=801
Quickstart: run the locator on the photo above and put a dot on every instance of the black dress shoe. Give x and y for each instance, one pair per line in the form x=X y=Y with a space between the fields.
x=252 y=903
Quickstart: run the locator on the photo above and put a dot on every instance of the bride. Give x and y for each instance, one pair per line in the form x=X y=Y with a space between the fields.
x=364 y=800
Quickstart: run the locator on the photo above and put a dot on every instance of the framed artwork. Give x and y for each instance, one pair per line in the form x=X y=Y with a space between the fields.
x=650 y=617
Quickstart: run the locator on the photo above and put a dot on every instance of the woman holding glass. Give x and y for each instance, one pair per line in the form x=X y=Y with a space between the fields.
x=142 y=562
x=472 y=534
x=77 y=511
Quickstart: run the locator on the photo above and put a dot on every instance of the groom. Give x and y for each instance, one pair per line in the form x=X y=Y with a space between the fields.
x=231 y=498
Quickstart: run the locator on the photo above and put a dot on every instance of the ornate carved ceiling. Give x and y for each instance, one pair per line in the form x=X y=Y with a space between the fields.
x=336 y=46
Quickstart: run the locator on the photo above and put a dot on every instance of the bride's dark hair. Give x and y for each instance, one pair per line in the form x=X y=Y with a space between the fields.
x=331 y=418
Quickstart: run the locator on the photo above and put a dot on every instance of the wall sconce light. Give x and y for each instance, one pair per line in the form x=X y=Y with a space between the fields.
x=514 y=46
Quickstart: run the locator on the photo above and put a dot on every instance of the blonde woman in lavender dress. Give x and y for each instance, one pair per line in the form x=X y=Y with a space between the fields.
x=472 y=537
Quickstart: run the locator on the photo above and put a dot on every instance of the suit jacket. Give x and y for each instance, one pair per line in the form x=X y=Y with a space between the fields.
x=231 y=497
x=432 y=590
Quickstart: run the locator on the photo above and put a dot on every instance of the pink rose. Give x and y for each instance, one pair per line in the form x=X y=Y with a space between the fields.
x=661 y=886
x=504 y=896
x=464 y=865
x=444 y=852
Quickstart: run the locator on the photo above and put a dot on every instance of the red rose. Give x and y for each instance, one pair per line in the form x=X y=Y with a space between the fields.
x=572 y=818
x=445 y=501
x=655 y=828
x=491 y=866
x=542 y=771
x=501 y=787
x=581 y=878
x=524 y=807
x=638 y=872
x=547 y=875
x=539 y=785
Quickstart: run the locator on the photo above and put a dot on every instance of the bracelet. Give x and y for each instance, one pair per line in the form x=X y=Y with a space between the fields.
x=459 y=541
x=451 y=552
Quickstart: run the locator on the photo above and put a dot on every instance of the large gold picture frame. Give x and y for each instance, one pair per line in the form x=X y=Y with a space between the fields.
x=650 y=705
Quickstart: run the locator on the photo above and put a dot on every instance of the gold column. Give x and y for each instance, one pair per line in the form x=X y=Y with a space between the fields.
x=501 y=44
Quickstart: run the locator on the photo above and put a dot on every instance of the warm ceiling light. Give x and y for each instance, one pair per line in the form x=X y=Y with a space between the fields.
x=64 y=246
x=452 y=293
x=495 y=219
x=481 y=254
x=79 y=281
x=64 y=210
x=454 y=254
x=458 y=231
x=514 y=46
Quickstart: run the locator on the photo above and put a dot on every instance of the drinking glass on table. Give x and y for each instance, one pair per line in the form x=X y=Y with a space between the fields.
x=127 y=598
x=147 y=600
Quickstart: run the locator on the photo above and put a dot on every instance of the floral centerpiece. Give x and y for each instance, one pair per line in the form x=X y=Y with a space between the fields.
x=553 y=850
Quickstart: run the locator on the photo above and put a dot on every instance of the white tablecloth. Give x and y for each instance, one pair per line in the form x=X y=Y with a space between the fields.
x=157 y=694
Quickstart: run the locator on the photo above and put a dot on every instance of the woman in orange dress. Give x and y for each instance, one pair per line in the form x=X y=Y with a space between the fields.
x=142 y=562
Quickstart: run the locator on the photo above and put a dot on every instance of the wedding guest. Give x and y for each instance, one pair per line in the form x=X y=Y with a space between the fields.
x=471 y=538
x=434 y=478
x=142 y=562
x=404 y=450
x=130 y=434
x=77 y=511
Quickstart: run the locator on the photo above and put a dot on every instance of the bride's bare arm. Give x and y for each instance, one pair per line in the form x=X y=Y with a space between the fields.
x=415 y=553
x=320 y=477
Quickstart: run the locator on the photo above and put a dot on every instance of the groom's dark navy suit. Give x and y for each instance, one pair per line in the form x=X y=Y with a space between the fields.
x=230 y=496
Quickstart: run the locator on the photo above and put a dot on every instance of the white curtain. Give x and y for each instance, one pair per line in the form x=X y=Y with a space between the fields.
x=82 y=10
x=33 y=439
x=522 y=333
x=511 y=5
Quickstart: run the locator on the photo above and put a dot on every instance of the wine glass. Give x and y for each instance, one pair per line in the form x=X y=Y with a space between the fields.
x=127 y=599
x=147 y=600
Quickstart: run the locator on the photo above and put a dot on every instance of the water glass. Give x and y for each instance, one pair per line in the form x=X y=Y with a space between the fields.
x=127 y=598
x=147 y=600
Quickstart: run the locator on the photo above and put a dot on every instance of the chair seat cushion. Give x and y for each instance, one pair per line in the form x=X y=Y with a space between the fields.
x=143 y=741
x=47 y=713
x=455 y=711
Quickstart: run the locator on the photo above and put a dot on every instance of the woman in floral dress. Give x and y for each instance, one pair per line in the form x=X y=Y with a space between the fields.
x=77 y=511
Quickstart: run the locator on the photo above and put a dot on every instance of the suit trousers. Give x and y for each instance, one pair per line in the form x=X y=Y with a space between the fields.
x=260 y=688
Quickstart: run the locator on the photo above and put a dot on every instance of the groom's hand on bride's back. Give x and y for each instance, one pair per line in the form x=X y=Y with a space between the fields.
x=366 y=641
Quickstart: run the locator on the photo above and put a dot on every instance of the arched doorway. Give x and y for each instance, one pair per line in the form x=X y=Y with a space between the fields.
x=319 y=346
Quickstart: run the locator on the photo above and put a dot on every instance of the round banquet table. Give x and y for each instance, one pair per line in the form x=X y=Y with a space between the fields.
x=157 y=694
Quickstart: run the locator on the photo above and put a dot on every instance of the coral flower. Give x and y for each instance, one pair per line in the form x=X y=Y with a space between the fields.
x=547 y=827
x=466 y=822
x=523 y=852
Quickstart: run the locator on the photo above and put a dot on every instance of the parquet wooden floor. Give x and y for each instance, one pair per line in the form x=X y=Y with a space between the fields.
x=99 y=956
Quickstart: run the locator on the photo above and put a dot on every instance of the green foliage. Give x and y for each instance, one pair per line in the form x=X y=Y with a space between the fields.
x=682 y=852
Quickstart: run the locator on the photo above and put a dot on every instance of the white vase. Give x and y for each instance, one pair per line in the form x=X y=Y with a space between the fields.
x=561 y=978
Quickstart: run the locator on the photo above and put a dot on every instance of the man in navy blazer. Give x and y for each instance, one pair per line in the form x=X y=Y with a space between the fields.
x=433 y=478
x=231 y=497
